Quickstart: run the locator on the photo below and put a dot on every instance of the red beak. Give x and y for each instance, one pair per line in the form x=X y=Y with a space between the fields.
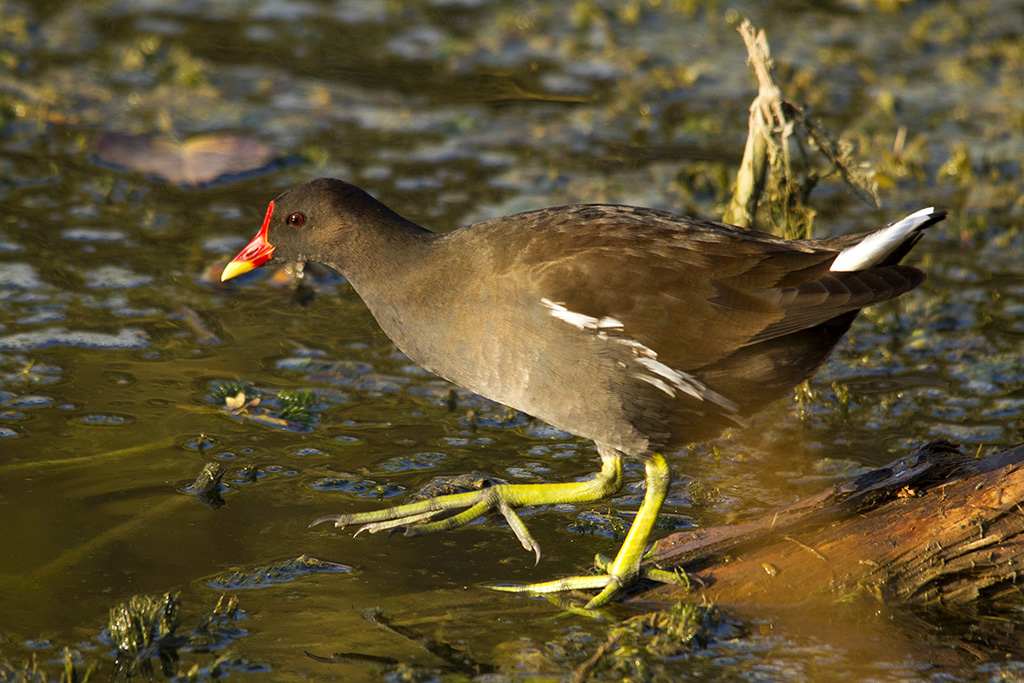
x=255 y=254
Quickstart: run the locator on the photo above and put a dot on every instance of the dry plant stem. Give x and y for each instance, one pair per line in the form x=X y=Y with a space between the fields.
x=767 y=165
x=9 y=469
x=144 y=522
x=766 y=115
x=856 y=180
x=584 y=670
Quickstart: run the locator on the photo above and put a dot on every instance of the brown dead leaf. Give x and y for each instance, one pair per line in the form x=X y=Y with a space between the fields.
x=196 y=161
x=238 y=404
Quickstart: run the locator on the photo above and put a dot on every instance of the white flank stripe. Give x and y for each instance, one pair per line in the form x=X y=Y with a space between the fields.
x=637 y=347
x=877 y=246
x=658 y=383
x=580 y=320
x=645 y=356
x=680 y=380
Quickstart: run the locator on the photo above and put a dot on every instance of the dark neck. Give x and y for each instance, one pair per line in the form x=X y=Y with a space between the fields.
x=383 y=255
x=388 y=267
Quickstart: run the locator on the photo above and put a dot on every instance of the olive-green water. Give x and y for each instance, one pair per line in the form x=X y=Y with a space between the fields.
x=115 y=336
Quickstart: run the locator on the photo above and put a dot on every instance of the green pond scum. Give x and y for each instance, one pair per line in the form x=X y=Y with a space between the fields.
x=127 y=368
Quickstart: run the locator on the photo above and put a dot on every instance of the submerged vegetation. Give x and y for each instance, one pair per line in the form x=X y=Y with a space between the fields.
x=147 y=642
x=290 y=408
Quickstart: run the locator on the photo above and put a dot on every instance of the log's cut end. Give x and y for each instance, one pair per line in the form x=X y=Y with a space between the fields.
x=934 y=528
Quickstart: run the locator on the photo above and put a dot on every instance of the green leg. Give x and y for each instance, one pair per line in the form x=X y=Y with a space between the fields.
x=415 y=518
x=625 y=568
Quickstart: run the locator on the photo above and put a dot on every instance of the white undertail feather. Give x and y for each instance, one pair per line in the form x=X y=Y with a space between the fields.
x=875 y=247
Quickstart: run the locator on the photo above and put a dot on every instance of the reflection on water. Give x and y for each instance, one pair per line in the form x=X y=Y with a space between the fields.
x=114 y=339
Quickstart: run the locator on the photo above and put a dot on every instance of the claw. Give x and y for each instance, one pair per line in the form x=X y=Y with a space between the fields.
x=520 y=530
x=326 y=518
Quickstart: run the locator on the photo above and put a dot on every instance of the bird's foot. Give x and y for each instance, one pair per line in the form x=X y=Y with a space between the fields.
x=610 y=582
x=425 y=517
x=417 y=519
x=625 y=569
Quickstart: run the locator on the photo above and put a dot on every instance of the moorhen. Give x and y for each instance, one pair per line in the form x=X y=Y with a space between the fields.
x=637 y=328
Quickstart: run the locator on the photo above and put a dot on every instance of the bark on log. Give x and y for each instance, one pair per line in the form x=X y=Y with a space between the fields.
x=934 y=528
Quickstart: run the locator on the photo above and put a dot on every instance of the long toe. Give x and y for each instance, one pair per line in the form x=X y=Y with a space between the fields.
x=421 y=518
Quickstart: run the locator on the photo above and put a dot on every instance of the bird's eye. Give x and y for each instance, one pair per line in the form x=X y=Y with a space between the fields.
x=296 y=220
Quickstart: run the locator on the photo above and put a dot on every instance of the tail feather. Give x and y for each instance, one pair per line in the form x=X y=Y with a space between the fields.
x=889 y=245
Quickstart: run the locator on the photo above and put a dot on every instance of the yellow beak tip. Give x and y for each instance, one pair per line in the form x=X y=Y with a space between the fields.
x=234 y=269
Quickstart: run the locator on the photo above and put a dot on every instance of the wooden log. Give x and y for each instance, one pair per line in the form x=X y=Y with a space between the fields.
x=937 y=527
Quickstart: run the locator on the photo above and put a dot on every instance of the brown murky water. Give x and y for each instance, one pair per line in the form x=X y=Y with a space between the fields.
x=114 y=343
